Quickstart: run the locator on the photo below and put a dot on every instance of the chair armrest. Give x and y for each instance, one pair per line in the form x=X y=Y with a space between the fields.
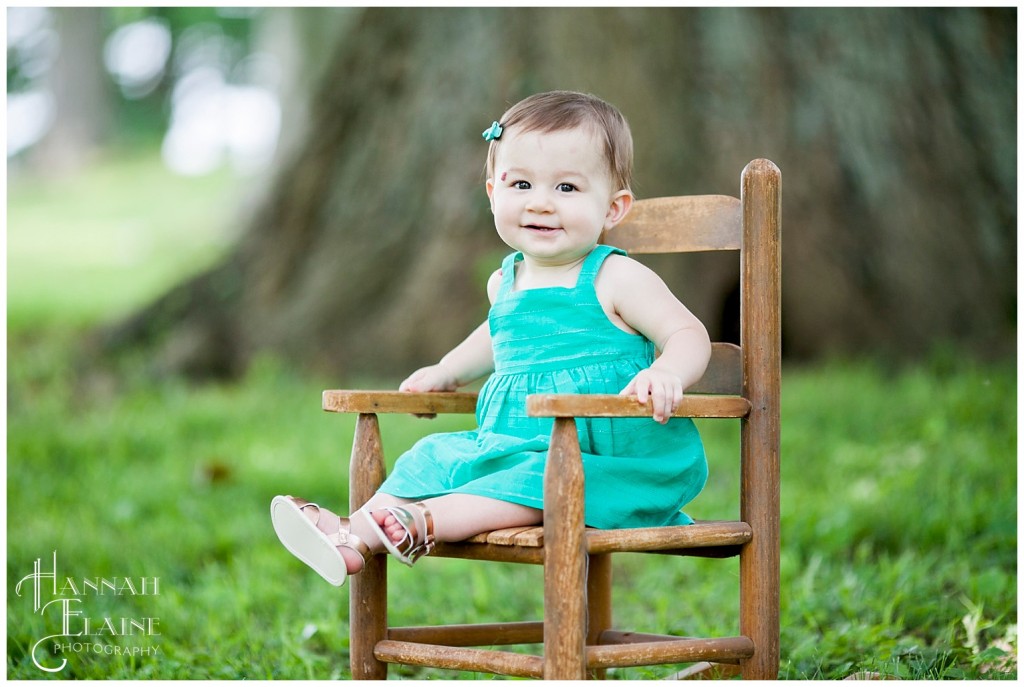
x=613 y=405
x=416 y=403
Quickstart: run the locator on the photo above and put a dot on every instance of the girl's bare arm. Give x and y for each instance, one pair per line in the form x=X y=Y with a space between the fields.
x=644 y=303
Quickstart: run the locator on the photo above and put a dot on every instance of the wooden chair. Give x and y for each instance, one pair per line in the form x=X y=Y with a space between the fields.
x=741 y=382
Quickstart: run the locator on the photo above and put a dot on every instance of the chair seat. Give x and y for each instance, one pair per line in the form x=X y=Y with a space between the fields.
x=707 y=538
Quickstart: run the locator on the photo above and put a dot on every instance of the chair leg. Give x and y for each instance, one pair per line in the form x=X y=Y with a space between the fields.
x=759 y=612
x=368 y=612
x=565 y=565
x=368 y=620
x=599 y=602
x=759 y=563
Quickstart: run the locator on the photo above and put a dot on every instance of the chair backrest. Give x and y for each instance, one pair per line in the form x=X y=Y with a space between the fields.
x=686 y=224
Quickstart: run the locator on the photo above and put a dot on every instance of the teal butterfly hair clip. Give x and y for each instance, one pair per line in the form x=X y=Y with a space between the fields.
x=493 y=133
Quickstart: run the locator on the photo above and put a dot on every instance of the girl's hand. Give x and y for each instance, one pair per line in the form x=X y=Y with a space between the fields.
x=433 y=378
x=663 y=388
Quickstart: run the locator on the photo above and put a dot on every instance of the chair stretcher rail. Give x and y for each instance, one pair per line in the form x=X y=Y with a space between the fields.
x=458 y=658
x=662 y=650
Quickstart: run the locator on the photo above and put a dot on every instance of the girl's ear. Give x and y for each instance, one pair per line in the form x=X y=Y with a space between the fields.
x=489 y=185
x=619 y=208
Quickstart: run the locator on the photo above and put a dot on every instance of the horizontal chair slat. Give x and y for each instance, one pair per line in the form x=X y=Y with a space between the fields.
x=496 y=553
x=680 y=224
x=523 y=544
x=626 y=637
x=724 y=374
x=703 y=534
x=682 y=650
x=454 y=658
x=613 y=405
x=429 y=403
x=661 y=652
x=479 y=634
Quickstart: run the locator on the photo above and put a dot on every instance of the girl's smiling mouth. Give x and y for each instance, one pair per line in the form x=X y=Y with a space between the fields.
x=541 y=228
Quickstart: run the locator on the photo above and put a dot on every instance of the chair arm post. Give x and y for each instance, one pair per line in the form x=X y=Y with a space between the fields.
x=368 y=600
x=366 y=467
x=565 y=570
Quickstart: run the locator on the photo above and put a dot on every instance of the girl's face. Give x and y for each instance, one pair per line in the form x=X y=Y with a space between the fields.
x=552 y=196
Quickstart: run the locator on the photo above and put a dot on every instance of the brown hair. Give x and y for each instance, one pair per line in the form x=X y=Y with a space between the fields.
x=561 y=110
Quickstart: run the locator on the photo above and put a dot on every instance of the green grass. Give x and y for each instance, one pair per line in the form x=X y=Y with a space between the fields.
x=898 y=522
x=99 y=244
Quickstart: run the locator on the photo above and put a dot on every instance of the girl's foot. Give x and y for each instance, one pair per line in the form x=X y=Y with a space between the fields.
x=406 y=531
x=334 y=547
x=337 y=547
x=392 y=528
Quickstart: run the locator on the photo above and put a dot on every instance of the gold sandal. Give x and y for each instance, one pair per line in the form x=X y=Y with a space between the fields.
x=313 y=546
x=418 y=539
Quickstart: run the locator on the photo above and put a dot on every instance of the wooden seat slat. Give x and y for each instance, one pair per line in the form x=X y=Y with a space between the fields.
x=708 y=533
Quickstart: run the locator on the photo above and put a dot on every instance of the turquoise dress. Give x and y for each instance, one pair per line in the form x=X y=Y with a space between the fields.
x=639 y=473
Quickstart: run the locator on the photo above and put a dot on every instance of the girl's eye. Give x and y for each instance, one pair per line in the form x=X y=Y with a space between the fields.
x=566 y=188
x=521 y=185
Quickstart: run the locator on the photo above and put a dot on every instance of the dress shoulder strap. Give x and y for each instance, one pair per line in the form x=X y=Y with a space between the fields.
x=508 y=274
x=592 y=263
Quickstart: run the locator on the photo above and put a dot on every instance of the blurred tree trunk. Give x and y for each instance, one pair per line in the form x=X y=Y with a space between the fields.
x=83 y=92
x=894 y=129
x=300 y=37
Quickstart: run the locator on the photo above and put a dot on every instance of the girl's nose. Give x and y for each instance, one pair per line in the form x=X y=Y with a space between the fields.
x=539 y=201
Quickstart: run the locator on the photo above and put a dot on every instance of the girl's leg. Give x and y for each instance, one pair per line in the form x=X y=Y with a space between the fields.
x=460 y=516
x=456 y=517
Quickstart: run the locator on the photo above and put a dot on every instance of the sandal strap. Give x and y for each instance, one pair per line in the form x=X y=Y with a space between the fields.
x=415 y=543
x=343 y=537
x=304 y=504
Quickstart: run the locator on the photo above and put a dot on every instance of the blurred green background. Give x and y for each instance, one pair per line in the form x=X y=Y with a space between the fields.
x=151 y=193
